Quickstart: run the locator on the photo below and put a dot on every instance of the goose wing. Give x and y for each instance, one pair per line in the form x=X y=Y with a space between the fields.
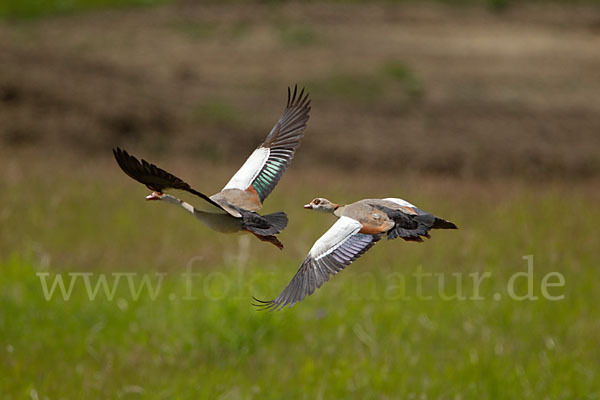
x=157 y=179
x=265 y=166
x=410 y=222
x=402 y=205
x=331 y=253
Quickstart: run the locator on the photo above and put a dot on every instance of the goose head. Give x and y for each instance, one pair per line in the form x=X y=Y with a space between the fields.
x=321 y=204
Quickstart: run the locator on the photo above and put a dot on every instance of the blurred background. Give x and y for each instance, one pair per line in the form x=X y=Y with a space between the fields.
x=484 y=112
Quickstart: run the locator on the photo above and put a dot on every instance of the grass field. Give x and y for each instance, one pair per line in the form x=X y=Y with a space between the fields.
x=33 y=8
x=457 y=91
x=487 y=119
x=360 y=336
x=22 y=9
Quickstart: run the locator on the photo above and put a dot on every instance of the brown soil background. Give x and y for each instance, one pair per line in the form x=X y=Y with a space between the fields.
x=396 y=88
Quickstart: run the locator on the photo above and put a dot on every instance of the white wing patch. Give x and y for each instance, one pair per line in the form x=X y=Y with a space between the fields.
x=339 y=232
x=251 y=168
x=400 y=202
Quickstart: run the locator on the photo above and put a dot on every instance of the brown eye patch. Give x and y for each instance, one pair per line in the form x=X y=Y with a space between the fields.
x=316 y=201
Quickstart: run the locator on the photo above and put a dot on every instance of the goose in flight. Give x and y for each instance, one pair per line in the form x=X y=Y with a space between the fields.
x=359 y=227
x=235 y=207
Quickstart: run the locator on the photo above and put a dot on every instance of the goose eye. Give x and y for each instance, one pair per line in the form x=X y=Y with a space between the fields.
x=316 y=201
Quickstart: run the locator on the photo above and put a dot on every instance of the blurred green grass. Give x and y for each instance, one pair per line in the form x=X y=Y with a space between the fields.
x=297 y=36
x=40 y=8
x=195 y=29
x=393 y=82
x=349 y=340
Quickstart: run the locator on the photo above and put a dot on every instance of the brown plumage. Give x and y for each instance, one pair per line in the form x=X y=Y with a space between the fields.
x=359 y=227
x=233 y=209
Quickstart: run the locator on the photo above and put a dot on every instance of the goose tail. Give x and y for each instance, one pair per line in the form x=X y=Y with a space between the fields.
x=278 y=221
x=270 y=224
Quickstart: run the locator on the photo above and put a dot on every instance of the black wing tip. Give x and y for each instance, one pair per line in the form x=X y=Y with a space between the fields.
x=277 y=304
x=140 y=169
x=123 y=157
x=126 y=161
x=262 y=305
x=298 y=99
x=119 y=153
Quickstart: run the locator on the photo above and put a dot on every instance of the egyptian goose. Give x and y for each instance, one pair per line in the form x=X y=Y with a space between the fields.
x=234 y=208
x=359 y=227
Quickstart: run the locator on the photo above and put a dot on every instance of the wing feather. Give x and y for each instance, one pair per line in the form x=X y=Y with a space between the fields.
x=155 y=178
x=268 y=162
x=331 y=253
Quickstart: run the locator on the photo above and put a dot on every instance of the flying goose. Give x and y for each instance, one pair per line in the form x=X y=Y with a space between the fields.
x=234 y=208
x=359 y=227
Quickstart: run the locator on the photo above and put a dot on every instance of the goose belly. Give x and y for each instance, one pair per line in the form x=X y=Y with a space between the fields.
x=220 y=222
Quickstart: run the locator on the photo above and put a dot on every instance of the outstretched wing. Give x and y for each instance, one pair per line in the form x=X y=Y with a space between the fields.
x=334 y=251
x=155 y=178
x=263 y=169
